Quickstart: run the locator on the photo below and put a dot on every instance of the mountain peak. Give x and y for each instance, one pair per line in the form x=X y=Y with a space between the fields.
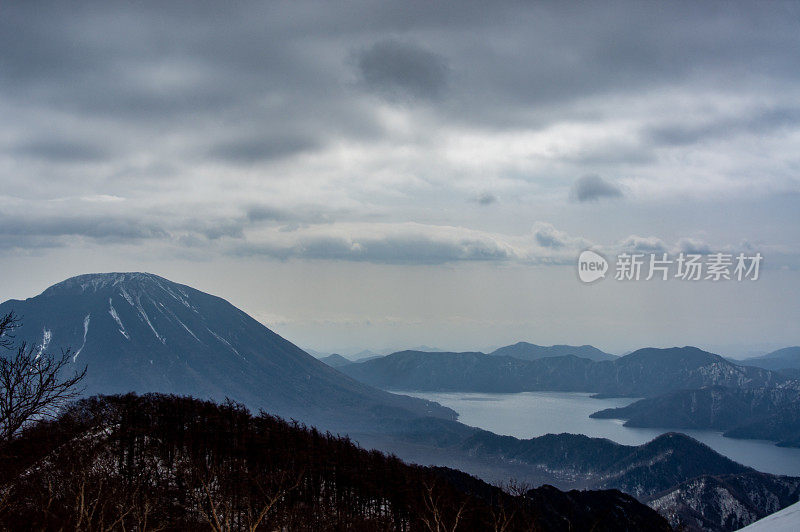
x=93 y=282
x=136 y=331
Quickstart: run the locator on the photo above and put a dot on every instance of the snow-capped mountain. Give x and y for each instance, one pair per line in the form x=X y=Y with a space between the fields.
x=140 y=332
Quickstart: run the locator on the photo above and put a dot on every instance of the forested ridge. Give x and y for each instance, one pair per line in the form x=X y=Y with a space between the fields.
x=175 y=463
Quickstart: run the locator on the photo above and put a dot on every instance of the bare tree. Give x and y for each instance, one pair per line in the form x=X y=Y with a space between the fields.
x=435 y=519
x=31 y=383
x=8 y=323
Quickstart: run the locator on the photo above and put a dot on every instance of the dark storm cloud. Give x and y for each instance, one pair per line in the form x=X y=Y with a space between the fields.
x=396 y=69
x=259 y=150
x=593 y=188
x=60 y=151
x=191 y=68
x=81 y=53
x=98 y=227
x=760 y=122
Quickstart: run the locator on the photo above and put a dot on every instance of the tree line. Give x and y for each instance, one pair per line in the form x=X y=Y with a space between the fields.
x=167 y=462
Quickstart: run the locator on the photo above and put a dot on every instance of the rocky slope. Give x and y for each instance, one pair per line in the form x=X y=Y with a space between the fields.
x=726 y=502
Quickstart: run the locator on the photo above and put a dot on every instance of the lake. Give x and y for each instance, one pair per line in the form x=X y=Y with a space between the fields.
x=530 y=414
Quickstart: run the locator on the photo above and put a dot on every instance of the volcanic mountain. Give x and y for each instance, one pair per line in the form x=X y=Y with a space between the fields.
x=140 y=332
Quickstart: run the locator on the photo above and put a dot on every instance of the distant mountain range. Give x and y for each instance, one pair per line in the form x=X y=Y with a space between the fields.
x=140 y=332
x=786 y=358
x=520 y=350
x=645 y=372
x=526 y=351
x=753 y=412
x=335 y=360
x=367 y=354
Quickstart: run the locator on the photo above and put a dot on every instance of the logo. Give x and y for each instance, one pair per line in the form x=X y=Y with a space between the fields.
x=591 y=266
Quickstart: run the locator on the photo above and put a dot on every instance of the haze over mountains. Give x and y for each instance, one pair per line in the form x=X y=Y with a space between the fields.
x=786 y=358
x=520 y=350
x=140 y=332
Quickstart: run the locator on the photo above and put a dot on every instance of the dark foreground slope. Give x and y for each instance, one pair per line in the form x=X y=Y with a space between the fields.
x=171 y=463
x=140 y=332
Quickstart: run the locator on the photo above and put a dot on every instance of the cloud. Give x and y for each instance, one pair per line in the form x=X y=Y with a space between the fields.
x=216 y=122
x=485 y=198
x=548 y=236
x=406 y=243
x=301 y=215
x=51 y=231
x=412 y=243
x=593 y=188
x=260 y=150
x=649 y=244
x=692 y=245
x=759 y=121
x=398 y=69
x=61 y=151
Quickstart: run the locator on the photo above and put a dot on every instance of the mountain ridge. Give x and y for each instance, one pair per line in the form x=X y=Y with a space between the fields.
x=756 y=412
x=645 y=372
x=529 y=351
x=780 y=359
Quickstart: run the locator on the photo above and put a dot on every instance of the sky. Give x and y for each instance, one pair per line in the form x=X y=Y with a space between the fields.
x=374 y=175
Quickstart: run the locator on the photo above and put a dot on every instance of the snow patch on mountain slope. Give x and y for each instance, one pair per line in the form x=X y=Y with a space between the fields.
x=184 y=326
x=127 y=296
x=224 y=341
x=47 y=335
x=113 y=312
x=146 y=319
x=85 y=332
x=786 y=520
x=182 y=296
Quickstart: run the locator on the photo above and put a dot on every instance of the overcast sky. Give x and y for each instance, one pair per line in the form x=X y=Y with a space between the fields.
x=374 y=174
